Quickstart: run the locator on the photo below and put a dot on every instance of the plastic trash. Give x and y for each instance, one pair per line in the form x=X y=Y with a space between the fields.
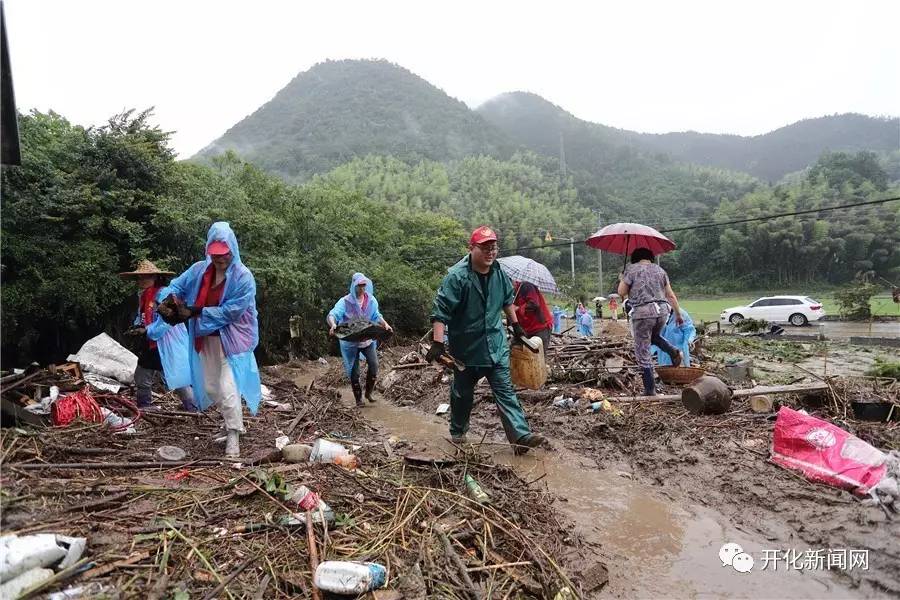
x=322 y=361
x=478 y=494
x=442 y=408
x=121 y=424
x=281 y=441
x=563 y=402
x=325 y=451
x=307 y=499
x=91 y=590
x=345 y=577
x=105 y=356
x=172 y=453
x=15 y=586
x=348 y=461
x=20 y=554
x=825 y=453
x=605 y=406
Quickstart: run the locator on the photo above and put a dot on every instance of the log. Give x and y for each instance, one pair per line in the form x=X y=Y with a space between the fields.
x=797 y=388
x=118 y=465
x=707 y=396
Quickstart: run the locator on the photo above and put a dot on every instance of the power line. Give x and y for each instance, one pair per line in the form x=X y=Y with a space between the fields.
x=778 y=216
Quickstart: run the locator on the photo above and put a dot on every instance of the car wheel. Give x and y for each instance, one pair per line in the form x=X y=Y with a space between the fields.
x=797 y=320
x=735 y=318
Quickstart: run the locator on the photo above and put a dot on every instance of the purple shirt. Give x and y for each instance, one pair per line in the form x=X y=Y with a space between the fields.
x=646 y=290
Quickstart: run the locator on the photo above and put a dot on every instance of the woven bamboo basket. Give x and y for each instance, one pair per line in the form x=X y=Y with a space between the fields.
x=679 y=375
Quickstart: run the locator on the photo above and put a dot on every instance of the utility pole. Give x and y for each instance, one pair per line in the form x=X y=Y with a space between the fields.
x=572 y=255
x=599 y=253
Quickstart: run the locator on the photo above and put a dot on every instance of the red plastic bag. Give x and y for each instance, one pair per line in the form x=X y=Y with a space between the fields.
x=825 y=453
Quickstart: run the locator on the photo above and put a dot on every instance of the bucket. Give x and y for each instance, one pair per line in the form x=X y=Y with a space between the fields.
x=325 y=452
x=739 y=371
x=528 y=369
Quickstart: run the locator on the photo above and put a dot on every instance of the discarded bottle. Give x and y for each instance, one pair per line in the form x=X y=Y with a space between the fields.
x=478 y=494
x=596 y=406
x=307 y=499
x=325 y=451
x=345 y=577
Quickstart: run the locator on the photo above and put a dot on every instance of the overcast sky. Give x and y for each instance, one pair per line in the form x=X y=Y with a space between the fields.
x=744 y=67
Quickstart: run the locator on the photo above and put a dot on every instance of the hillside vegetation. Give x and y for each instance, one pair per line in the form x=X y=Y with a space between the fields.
x=340 y=110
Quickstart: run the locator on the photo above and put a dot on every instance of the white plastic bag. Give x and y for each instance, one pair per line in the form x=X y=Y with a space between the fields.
x=105 y=356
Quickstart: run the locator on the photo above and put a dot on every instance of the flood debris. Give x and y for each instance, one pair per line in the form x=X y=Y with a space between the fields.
x=210 y=527
x=716 y=456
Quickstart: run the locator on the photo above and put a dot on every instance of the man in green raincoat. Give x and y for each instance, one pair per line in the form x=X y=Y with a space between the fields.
x=470 y=302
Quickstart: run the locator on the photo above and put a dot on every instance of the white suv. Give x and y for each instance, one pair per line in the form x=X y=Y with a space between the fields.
x=796 y=310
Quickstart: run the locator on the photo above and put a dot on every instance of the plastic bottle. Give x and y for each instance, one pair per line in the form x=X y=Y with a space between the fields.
x=345 y=577
x=478 y=494
x=325 y=451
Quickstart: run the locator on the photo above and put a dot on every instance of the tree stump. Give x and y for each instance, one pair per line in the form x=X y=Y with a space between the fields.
x=707 y=396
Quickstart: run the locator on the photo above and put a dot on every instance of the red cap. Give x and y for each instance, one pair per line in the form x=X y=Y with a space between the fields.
x=217 y=248
x=483 y=234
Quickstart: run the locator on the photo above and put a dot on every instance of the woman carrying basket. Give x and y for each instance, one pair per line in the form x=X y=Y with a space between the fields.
x=359 y=305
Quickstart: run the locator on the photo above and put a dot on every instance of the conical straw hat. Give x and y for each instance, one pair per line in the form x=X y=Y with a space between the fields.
x=145 y=267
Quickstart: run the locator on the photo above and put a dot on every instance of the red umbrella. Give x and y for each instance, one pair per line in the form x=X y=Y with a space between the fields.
x=624 y=238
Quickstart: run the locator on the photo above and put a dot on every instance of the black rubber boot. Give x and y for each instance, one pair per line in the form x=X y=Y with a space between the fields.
x=370 y=387
x=649 y=381
x=357 y=392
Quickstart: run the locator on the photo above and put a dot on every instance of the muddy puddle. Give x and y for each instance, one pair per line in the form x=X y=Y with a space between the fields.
x=652 y=545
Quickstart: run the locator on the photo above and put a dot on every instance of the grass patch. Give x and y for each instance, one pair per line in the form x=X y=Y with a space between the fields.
x=709 y=309
x=884 y=368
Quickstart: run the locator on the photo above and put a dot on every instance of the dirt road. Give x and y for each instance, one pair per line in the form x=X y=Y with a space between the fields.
x=652 y=507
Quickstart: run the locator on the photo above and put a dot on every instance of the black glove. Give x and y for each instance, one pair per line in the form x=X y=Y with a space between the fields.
x=136 y=331
x=518 y=331
x=435 y=352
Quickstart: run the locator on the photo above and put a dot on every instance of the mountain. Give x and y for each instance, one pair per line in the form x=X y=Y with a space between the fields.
x=536 y=123
x=610 y=170
x=339 y=110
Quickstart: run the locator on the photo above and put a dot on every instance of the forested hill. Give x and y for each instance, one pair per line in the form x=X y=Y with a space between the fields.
x=536 y=123
x=339 y=110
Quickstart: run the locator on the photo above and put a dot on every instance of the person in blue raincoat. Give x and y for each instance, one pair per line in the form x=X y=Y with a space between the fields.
x=557 y=318
x=217 y=295
x=586 y=324
x=680 y=336
x=162 y=348
x=359 y=304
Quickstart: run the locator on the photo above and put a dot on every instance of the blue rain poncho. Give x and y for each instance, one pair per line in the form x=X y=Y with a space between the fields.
x=679 y=336
x=349 y=308
x=235 y=319
x=173 y=344
x=586 y=323
x=557 y=319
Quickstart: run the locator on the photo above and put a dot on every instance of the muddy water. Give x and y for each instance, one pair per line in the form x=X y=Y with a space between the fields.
x=654 y=547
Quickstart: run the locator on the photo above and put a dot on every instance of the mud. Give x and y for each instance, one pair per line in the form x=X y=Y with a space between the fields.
x=660 y=490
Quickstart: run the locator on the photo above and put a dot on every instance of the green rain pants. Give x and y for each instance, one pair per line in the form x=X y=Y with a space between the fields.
x=462 y=393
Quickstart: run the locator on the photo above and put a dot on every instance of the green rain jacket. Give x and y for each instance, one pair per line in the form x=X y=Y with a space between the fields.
x=476 y=333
